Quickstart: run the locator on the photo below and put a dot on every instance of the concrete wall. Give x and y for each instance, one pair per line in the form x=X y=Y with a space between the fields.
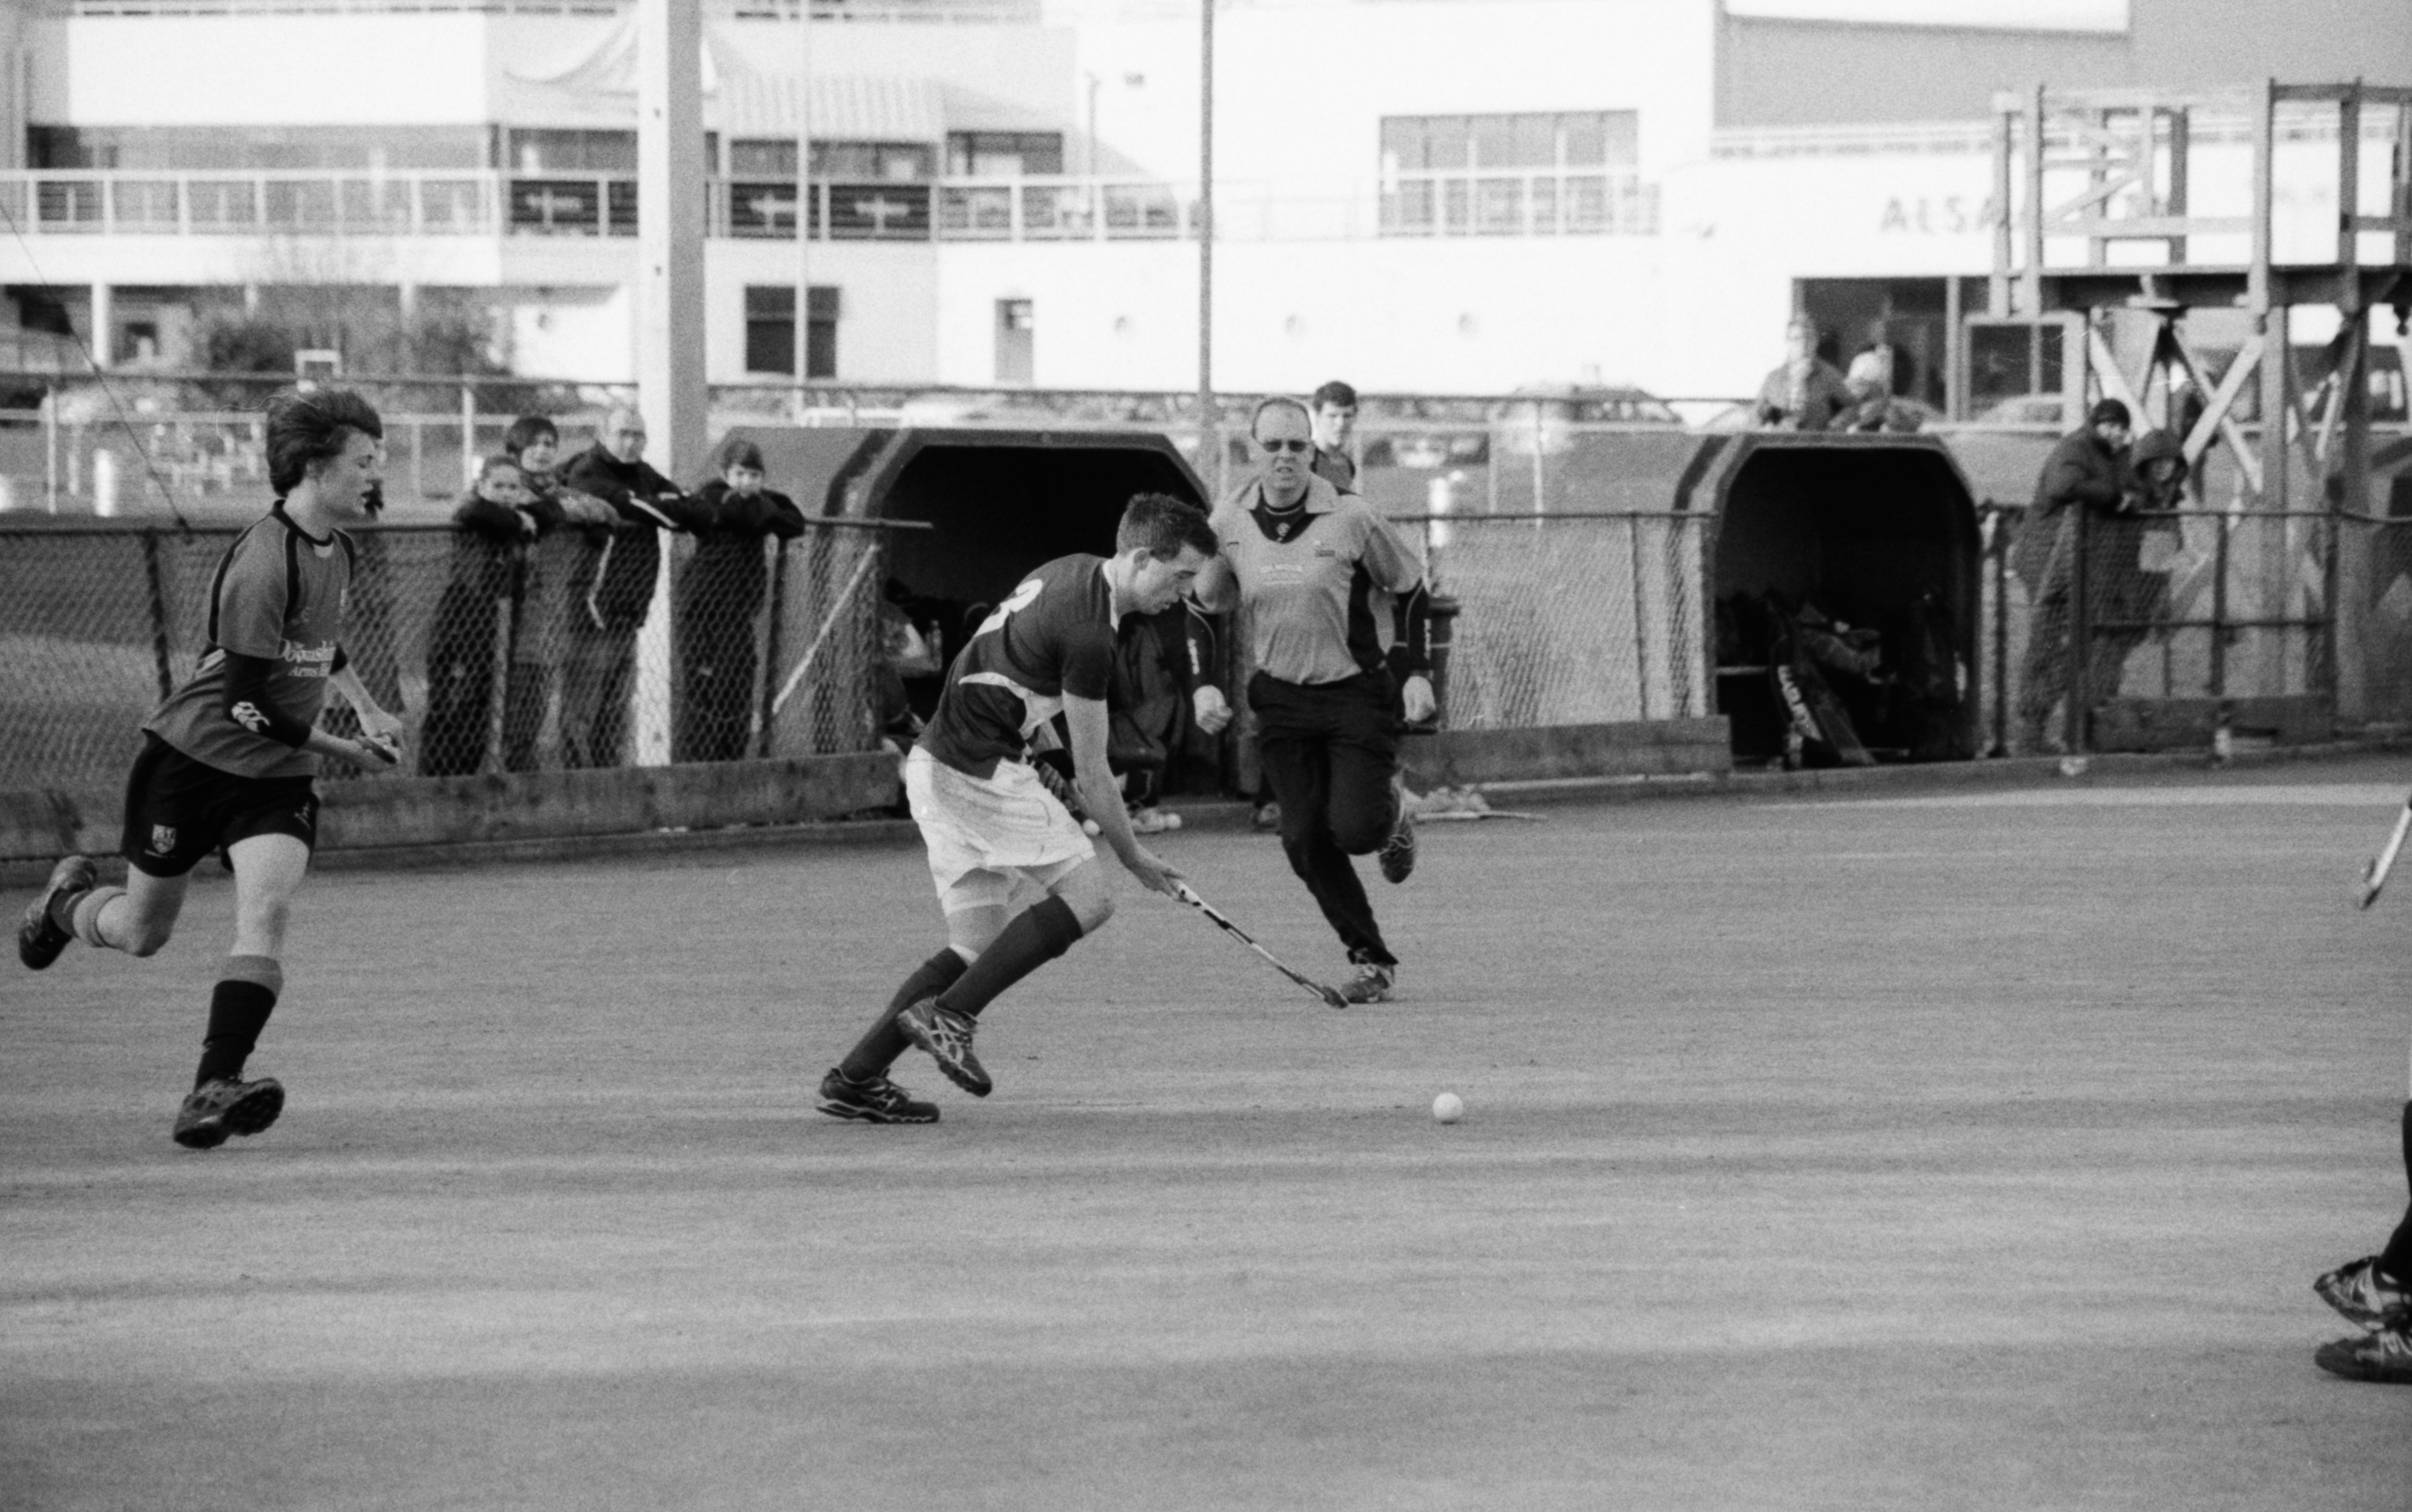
x=445 y=810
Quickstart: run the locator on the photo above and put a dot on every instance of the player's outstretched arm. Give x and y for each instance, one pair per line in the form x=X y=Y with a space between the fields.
x=1095 y=782
x=375 y=717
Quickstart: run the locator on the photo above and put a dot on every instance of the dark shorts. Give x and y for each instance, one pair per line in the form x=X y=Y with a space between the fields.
x=179 y=809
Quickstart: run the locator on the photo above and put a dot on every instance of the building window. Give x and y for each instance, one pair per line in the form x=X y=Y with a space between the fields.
x=888 y=161
x=244 y=149
x=1531 y=174
x=1004 y=154
x=771 y=329
x=572 y=151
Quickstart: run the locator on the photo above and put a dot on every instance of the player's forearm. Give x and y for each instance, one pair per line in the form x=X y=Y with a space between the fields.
x=356 y=693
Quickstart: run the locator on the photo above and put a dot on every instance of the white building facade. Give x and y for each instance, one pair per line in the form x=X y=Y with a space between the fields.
x=1453 y=195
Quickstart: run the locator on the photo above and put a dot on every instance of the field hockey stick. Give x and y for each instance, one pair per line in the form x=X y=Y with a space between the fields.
x=1329 y=996
x=2374 y=876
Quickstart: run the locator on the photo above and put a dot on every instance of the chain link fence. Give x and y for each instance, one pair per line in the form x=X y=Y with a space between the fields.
x=493 y=652
x=2097 y=625
x=1568 y=619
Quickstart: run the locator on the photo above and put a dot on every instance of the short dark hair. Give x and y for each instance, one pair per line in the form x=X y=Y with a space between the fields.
x=2107 y=412
x=1164 y=525
x=307 y=430
x=1278 y=402
x=1334 y=392
x=526 y=430
x=492 y=465
x=739 y=453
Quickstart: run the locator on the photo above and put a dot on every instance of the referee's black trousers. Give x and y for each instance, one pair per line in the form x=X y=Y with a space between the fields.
x=1329 y=750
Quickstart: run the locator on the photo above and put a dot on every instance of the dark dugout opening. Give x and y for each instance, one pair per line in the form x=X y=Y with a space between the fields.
x=1002 y=505
x=1877 y=537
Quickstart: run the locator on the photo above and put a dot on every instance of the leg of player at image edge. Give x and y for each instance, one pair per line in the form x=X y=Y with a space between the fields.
x=2374 y=1294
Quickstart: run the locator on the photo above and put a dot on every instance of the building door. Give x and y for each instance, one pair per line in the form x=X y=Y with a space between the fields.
x=1016 y=359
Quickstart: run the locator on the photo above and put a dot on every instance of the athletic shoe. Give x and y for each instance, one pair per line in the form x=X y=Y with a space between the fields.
x=1268 y=816
x=875 y=1101
x=2384 y=1357
x=39 y=938
x=948 y=1036
x=2367 y=1301
x=217 y=1108
x=1398 y=855
x=1154 y=821
x=1372 y=983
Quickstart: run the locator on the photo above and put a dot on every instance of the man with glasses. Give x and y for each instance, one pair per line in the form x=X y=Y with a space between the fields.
x=1304 y=563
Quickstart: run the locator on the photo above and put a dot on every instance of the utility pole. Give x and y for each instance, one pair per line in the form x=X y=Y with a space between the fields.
x=803 y=196
x=670 y=378
x=1210 y=433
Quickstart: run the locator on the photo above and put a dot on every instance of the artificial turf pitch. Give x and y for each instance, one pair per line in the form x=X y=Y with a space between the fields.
x=1964 y=1149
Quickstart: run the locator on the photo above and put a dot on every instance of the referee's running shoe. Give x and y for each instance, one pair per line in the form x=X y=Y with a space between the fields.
x=875 y=1101
x=948 y=1036
x=227 y=1106
x=2367 y=1299
x=2385 y=1357
x=1372 y=983
x=41 y=936
x=1398 y=853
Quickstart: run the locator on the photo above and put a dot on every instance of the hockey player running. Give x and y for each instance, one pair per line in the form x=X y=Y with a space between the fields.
x=987 y=817
x=227 y=762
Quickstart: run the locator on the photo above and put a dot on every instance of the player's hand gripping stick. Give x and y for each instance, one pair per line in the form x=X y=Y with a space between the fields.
x=2374 y=876
x=1329 y=996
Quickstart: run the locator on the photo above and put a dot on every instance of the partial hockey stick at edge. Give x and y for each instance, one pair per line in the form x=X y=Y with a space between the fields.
x=2374 y=876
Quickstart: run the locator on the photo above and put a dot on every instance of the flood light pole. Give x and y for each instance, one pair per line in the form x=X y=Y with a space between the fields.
x=1210 y=437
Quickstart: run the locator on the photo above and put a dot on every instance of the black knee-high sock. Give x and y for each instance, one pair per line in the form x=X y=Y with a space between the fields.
x=238 y=1011
x=884 y=1042
x=1037 y=935
x=2396 y=1259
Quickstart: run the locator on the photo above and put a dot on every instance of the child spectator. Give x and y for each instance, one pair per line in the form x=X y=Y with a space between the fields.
x=488 y=531
x=717 y=599
x=539 y=593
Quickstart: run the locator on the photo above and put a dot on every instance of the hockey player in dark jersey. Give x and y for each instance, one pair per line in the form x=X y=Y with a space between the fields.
x=985 y=816
x=226 y=759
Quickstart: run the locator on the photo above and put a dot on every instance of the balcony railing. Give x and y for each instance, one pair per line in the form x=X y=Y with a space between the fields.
x=65 y=203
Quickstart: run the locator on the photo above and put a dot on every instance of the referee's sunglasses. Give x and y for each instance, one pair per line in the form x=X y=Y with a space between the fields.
x=1285 y=445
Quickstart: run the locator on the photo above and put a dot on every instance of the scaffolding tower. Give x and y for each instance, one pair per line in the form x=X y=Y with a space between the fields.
x=2128 y=204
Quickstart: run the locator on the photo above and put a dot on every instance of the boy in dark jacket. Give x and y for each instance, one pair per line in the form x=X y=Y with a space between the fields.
x=717 y=596
x=490 y=530
x=540 y=617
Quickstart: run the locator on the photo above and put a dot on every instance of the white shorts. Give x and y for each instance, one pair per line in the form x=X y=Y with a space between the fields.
x=981 y=830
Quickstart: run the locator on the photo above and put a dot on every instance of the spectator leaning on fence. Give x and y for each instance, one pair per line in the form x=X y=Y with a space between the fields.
x=2086 y=471
x=490 y=532
x=613 y=591
x=1807 y=392
x=718 y=598
x=541 y=603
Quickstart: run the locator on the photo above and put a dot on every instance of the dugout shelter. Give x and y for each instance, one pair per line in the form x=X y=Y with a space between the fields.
x=1878 y=533
x=998 y=502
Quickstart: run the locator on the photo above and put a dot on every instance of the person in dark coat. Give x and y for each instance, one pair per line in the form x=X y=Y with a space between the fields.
x=612 y=590
x=717 y=601
x=542 y=619
x=489 y=531
x=2086 y=471
x=1807 y=392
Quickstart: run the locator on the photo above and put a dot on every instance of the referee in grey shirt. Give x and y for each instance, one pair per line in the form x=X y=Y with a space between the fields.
x=1308 y=564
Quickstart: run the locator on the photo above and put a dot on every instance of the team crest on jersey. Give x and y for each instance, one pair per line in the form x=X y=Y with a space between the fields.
x=163 y=839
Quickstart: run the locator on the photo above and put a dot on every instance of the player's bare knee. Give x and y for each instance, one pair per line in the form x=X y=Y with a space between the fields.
x=146 y=936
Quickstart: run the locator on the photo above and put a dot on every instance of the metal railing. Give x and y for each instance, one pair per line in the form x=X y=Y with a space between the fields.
x=84 y=203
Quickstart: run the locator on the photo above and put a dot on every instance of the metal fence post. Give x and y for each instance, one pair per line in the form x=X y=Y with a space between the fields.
x=1641 y=621
x=2219 y=609
x=159 y=593
x=2081 y=639
x=2001 y=634
x=771 y=646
